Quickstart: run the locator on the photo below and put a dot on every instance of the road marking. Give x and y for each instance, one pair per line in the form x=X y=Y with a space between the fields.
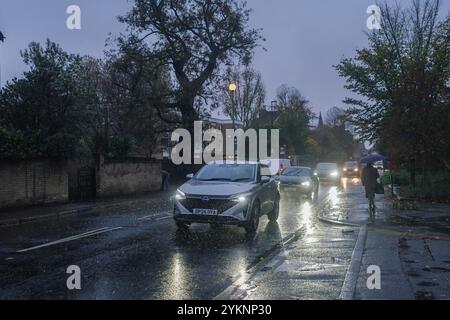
x=157 y=217
x=72 y=238
x=164 y=218
x=153 y=216
x=351 y=277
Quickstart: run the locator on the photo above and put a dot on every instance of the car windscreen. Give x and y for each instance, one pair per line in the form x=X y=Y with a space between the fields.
x=351 y=164
x=326 y=166
x=299 y=172
x=227 y=172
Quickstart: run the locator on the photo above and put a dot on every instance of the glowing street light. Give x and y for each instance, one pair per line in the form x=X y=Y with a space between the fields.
x=232 y=87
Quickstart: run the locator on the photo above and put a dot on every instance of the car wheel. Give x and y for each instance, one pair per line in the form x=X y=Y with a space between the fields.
x=252 y=225
x=275 y=213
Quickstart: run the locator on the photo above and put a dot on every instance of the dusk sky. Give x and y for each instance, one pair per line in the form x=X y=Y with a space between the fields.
x=305 y=38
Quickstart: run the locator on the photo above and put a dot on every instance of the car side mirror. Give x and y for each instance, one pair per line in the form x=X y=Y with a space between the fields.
x=265 y=179
x=190 y=176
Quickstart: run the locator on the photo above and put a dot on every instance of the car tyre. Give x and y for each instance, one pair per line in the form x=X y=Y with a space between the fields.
x=275 y=213
x=252 y=225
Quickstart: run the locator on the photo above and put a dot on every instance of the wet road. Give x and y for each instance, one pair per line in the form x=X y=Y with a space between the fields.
x=138 y=254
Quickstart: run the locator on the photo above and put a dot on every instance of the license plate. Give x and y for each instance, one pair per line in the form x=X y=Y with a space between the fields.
x=290 y=189
x=206 y=212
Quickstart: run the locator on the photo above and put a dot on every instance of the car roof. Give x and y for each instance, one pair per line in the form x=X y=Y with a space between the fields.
x=299 y=168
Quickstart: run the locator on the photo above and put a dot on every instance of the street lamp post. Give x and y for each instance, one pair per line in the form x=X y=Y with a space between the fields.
x=232 y=88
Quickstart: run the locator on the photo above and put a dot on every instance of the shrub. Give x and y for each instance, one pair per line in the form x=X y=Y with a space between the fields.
x=401 y=178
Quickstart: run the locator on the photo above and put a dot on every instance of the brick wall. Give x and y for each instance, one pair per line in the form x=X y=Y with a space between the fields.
x=120 y=178
x=32 y=182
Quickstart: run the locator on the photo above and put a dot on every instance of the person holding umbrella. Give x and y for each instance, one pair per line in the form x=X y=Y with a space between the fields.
x=369 y=177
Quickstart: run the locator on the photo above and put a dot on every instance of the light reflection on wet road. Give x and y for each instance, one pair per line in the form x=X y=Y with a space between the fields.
x=142 y=257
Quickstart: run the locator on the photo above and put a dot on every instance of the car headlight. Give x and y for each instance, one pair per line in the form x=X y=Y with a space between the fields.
x=345 y=169
x=356 y=170
x=242 y=198
x=180 y=195
x=334 y=174
x=315 y=173
x=306 y=184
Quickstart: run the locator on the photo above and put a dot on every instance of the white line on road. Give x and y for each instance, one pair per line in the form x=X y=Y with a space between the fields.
x=164 y=218
x=72 y=238
x=152 y=216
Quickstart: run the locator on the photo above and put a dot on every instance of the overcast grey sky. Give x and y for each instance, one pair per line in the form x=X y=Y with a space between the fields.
x=305 y=38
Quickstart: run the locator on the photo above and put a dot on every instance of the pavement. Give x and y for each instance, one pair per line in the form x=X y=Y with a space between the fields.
x=410 y=248
x=320 y=248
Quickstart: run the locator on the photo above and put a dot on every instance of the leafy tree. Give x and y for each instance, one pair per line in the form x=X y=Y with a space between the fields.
x=40 y=114
x=336 y=117
x=402 y=78
x=193 y=38
x=295 y=117
x=132 y=79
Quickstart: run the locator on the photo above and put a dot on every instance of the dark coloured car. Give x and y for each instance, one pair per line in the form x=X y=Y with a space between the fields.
x=298 y=181
x=228 y=193
x=350 y=169
x=328 y=172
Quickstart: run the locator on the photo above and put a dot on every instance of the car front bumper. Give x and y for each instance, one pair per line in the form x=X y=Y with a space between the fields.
x=351 y=173
x=236 y=215
x=329 y=178
x=297 y=188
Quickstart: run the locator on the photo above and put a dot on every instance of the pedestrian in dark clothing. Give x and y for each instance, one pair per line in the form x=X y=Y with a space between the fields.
x=165 y=180
x=369 y=178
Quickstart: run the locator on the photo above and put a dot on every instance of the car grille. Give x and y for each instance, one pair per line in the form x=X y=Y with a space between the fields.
x=221 y=205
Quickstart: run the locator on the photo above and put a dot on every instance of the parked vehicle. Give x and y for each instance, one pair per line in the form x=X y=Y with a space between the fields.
x=328 y=172
x=351 y=169
x=298 y=181
x=237 y=193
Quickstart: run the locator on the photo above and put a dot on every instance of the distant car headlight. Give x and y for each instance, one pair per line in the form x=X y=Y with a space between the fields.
x=356 y=170
x=345 y=169
x=334 y=174
x=315 y=173
x=306 y=184
x=180 y=195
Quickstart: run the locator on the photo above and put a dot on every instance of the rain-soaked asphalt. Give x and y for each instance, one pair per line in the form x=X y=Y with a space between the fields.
x=138 y=254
